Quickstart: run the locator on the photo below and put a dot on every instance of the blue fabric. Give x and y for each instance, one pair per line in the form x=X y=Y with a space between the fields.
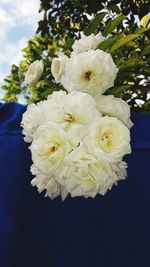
x=109 y=231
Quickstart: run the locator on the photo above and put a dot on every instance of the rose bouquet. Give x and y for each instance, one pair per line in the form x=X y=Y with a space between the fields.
x=79 y=136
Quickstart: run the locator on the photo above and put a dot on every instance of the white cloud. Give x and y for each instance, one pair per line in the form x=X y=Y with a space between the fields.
x=24 y=11
x=6 y=22
x=11 y=53
x=18 y=23
x=27 y=10
x=2 y=76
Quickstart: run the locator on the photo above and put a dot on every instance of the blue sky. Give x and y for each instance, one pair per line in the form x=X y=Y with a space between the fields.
x=18 y=23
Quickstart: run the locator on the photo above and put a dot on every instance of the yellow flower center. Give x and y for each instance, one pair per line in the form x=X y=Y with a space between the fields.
x=52 y=149
x=87 y=75
x=69 y=117
x=106 y=140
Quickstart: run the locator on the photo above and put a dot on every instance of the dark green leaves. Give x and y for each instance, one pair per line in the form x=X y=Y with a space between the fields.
x=106 y=44
x=69 y=43
x=61 y=24
x=113 y=24
x=131 y=63
x=94 y=23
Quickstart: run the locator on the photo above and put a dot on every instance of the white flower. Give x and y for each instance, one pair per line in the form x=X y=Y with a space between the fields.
x=117 y=172
x=87 y=42
x=68 y=110
x=58 y=67
x=84 y=185
x=78 y=139
x=34 y=72
x=114 y=107
x=31 y=120
x=85 y=175
x=93 y=72
x=109 y=137
x=48 y=183
x=71 y=108
x=49 y=148
x=45 y=182
x=74 y=112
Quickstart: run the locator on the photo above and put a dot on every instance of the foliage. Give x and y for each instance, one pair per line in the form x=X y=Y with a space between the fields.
x=12 y=84
x=126 y=40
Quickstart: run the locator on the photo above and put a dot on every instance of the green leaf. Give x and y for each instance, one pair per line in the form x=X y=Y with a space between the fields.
x=113 y=8
x=94 y=23
x=147 y=106
x=145 y=20
x=142 y=30
x=69 y=43
x=146 y=51
x=117 y=90
x=106 y=44
x=132 y=44
x=131 y=63
x=123 y=41
x=113 y=24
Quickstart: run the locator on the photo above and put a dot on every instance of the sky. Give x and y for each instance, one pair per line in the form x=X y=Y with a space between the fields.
x=18 y=23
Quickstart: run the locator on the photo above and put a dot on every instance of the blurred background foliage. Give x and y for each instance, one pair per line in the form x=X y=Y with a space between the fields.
x=125 y=24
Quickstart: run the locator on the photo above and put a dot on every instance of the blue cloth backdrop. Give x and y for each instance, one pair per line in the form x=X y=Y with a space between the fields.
x=108 y=231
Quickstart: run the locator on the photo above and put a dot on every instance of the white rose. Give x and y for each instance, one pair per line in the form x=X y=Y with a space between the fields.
x=49 y=148
x=68 y=110
x=115 y=107
x=85 y=175
x=34 y=72
x=117 y=171
x=45 y=182
x=31 y=120
x=48 y=183
x=73 y=111
x=74 y=173
x=87 y=42
x=93 y=72
x=109 y=137
x=58 y=67
x=78 y=180
x=71 y=108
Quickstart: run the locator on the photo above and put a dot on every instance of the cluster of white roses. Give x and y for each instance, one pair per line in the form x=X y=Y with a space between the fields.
x=78 y=139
